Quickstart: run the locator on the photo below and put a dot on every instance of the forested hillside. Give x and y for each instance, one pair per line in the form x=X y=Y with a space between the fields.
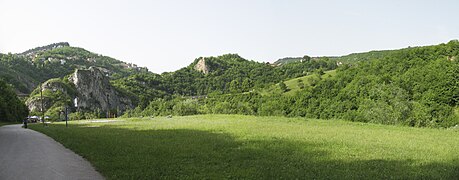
x=347 y=59
x=413 y=86
x=26 y=70
x=416 y=86
x=226 y=74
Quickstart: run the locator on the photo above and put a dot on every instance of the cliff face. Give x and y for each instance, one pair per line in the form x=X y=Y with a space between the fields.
x=201 y=66
x=93 y=90
x=34 y=103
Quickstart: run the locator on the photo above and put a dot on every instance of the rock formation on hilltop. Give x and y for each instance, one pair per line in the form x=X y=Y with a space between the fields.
x=201 y=66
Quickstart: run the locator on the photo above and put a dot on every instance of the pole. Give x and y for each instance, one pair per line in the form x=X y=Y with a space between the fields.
x=42 y=104
x=108 y=106
x=76 y=105
x=66 y=117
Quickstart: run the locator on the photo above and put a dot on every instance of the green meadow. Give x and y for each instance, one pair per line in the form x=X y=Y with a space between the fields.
x=249 y=147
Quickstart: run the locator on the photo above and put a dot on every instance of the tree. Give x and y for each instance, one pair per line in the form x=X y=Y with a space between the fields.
x=246 y=85
x=283 y=87
x=306 y=58
x=11 y=108
x=234 y=86
x=314 y=79
x=300 y=84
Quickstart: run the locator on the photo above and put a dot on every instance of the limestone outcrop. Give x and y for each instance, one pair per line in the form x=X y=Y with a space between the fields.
x=88 y=90
x=201 y=66
x=93 y=90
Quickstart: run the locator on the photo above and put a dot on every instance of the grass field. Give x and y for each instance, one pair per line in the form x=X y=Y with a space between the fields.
x=248 y=147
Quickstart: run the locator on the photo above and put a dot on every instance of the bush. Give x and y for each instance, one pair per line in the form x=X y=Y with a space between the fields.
x=82 y=116
x=186 y=107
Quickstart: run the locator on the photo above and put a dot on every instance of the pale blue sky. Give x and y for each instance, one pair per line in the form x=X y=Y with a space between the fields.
x=170 y=34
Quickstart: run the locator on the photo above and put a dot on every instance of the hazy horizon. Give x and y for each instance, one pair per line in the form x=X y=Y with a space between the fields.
x=168 y=35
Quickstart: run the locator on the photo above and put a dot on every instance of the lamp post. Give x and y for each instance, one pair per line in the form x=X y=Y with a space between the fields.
x=42 y=104
x=66 y=116
x=108 y=106
x=75 y=101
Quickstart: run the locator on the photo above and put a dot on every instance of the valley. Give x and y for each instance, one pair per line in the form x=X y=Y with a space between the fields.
x=415 y=86
x=229 y=90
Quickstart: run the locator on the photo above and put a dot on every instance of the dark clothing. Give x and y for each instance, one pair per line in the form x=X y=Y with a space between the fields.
x=25 y=123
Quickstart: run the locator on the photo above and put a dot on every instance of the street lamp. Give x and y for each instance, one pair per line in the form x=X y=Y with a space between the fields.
x=75 y=102
x=66 y=116
x=42 y=104
x=108 y=106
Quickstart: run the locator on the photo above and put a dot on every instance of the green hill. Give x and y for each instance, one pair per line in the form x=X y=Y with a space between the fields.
x=413 y=87
x=297 y=84
x=226 y=73
x=347 y=59
x=365 y=56
x=287 y=60
x=26 y=70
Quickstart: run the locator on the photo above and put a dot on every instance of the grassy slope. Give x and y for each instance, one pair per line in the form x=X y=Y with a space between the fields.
x=292 y=84
x=234 y=146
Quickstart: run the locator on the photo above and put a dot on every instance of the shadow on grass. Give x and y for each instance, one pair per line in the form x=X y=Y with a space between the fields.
x=181 y=153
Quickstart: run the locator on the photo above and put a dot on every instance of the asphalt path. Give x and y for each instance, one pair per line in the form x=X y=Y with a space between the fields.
x=27 y=154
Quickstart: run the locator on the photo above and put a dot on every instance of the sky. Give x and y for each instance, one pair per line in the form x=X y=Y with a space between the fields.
x=166 y=35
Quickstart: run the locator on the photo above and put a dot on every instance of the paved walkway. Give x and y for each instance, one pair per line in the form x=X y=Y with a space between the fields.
x=27 y=154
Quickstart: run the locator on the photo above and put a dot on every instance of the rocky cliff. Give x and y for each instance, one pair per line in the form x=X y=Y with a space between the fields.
x=201 y=66
x=93 y=90
x=89 y=90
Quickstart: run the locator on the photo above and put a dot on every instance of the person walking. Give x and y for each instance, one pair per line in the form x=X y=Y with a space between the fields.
x=25 y=123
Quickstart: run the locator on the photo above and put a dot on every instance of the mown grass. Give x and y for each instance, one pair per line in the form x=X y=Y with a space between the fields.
x=248 y=147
